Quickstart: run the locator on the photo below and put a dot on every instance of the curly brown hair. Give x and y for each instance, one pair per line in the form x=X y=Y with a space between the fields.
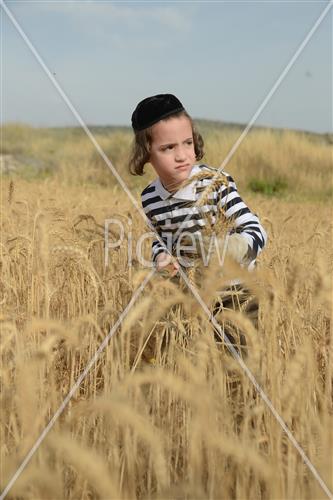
x=140 y=149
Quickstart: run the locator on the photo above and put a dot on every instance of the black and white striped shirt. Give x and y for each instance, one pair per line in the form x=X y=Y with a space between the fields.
x=167 y=211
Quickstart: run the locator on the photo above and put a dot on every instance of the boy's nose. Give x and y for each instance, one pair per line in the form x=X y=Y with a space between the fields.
x=180 y=155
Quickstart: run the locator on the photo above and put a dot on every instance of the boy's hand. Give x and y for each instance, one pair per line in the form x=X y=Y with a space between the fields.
x=166 y=262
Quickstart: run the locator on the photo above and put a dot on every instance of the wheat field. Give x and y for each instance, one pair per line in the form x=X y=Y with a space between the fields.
x=189 y=425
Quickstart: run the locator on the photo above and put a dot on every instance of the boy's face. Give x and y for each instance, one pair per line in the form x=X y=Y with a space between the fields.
x=172 y=151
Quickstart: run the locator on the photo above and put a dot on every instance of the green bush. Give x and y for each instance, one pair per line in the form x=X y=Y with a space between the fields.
x=269 y=187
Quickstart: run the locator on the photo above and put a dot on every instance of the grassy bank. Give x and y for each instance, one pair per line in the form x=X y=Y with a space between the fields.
x=295 y=165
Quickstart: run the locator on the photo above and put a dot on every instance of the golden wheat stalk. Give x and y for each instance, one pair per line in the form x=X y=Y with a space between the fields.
x=218 y=224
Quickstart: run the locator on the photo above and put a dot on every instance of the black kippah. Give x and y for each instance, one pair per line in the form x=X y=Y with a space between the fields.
x=153 y=109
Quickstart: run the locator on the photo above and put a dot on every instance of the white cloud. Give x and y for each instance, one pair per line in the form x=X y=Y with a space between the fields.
x=173 y=18
x=178 y=19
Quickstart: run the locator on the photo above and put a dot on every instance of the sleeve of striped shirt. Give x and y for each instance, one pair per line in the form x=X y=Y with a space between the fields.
x=246 y=223
x=157 y=246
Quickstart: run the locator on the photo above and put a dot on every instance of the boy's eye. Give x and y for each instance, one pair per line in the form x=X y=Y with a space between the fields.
x=171 y=147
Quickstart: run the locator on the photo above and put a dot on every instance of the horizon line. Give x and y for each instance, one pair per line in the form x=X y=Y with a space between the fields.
x=217 y=122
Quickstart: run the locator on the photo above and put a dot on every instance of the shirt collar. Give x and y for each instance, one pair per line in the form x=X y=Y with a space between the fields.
x=185 y=193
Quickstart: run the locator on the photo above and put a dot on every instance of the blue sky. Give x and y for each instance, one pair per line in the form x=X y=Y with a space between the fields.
x=219 y=58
